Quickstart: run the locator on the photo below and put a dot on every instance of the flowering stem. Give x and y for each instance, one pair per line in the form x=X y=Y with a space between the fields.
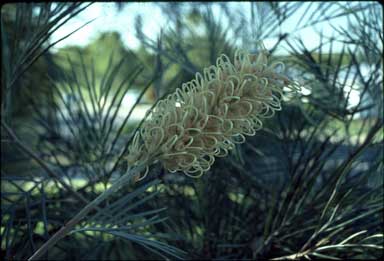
x=76 y=219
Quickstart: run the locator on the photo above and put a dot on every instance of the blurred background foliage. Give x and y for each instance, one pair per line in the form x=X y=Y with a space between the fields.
x=308 y=185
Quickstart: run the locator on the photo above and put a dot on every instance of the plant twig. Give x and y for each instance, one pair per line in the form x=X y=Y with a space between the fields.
x=76 y=219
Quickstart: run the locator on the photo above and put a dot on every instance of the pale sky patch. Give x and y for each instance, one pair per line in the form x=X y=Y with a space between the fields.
x=110 y=19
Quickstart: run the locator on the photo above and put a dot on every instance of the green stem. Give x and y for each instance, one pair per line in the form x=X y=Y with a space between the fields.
x=76 y=219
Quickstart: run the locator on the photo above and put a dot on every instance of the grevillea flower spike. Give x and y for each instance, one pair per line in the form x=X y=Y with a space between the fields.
x=202 y=120
x=207 y=116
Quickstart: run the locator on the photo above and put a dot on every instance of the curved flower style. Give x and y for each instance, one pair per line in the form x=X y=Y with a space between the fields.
x=208 y=115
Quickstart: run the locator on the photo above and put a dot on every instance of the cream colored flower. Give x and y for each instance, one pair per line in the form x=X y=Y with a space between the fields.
x=207 y=116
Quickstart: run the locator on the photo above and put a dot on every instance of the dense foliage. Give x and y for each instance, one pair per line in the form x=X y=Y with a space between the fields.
x=307 y=185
